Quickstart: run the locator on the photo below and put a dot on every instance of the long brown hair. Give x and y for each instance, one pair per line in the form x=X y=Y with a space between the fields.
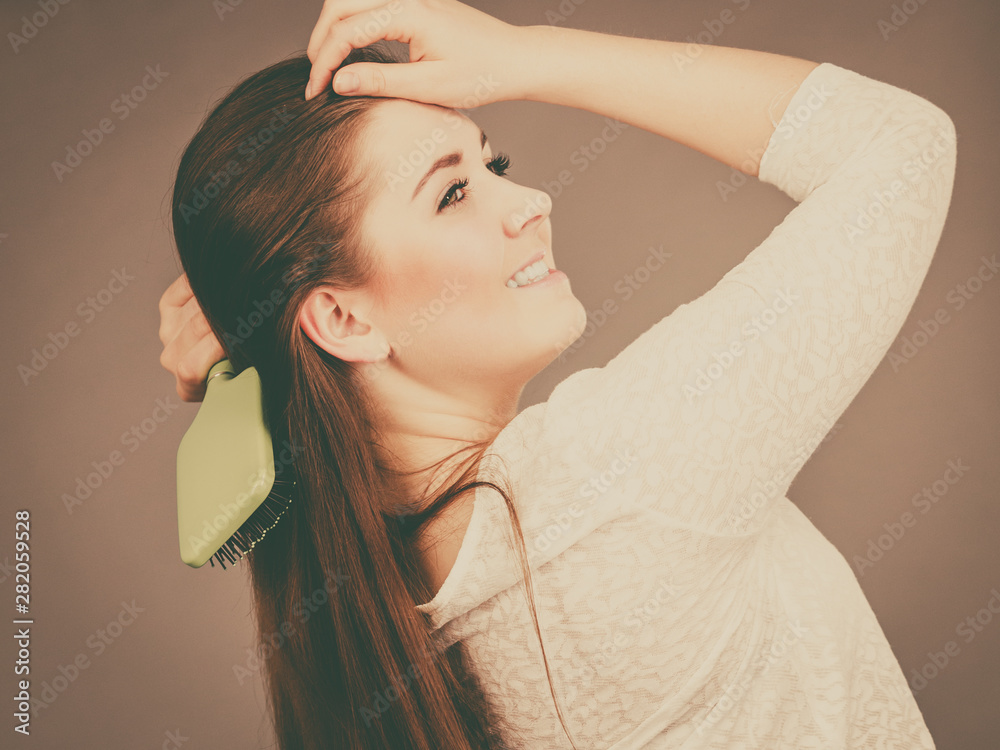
x=266 y=207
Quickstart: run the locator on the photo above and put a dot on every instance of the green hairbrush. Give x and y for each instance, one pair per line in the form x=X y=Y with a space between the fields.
x=227 y=493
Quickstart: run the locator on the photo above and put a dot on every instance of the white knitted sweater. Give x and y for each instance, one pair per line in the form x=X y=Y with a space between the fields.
x=683 y=600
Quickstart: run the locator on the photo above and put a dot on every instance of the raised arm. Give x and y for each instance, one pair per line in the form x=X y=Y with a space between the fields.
x=724 y=103
x=723 y=400
x=721 y=101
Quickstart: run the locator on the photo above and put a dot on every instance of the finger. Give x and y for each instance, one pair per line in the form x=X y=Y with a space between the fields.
x=177 y=293
x=186 y=337
x=188 y=331
x=191 y=395
x=192 y=370
x=333 y=11
x=189 y=392
x=320 y=30
x=414 y=81
x=175 y=296
x=173 y=318
x=349 y=33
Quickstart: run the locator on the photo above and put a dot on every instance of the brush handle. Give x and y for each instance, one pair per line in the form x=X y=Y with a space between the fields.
x=222 y=367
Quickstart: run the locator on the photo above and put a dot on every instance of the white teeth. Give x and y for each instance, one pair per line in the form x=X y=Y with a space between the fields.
x=532 y=273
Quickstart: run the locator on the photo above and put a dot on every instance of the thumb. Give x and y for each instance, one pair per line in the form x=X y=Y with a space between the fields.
x=398 y=80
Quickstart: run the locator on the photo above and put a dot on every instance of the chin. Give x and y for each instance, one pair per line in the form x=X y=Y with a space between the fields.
x=580 y=323
x=570 y=328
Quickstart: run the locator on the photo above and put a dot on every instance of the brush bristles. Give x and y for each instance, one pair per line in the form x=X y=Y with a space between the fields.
x=262 y=520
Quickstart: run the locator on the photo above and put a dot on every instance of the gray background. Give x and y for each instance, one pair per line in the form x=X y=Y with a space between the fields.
x=172 y=668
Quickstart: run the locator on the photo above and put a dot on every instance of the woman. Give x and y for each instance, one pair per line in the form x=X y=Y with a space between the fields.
x=626 y=571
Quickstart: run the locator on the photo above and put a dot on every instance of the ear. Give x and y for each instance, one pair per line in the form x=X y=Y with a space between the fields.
x=334 y=320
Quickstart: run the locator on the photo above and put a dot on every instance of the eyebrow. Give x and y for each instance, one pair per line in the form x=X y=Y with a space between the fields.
x=448 y=160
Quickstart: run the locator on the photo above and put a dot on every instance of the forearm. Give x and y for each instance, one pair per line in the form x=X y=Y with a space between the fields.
x=721 y=103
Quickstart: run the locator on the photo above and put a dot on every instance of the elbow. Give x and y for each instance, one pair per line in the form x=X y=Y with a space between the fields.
x=935 y=154
x=929 y=173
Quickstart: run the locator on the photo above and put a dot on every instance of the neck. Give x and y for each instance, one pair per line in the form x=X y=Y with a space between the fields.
x=432 y=434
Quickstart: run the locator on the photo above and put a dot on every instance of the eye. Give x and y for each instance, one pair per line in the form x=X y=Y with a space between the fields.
x=499 y=165
x=462 y=185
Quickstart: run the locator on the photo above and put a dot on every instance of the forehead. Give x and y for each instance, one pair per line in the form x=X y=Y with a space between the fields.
x=404 y=138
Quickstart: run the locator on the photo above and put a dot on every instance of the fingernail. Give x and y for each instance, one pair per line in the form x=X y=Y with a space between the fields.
x=346 y=83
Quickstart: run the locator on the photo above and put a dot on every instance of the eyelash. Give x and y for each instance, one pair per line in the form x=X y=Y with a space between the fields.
x=499 y=165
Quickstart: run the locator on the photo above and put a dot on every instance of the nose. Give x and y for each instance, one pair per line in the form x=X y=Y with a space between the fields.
x=531 y=208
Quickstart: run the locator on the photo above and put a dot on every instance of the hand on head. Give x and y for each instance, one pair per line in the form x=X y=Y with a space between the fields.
x=190 y=348
x=459 y=56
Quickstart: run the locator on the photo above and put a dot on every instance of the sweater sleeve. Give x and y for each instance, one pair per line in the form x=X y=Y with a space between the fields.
x=719 y=404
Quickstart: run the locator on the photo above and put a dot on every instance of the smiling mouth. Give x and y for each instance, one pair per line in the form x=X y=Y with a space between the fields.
x=529 y=275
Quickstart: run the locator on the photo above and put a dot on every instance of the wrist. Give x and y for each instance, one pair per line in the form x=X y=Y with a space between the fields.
x=541 y=54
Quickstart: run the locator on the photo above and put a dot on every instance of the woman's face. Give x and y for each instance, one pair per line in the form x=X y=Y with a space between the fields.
x=448 y=249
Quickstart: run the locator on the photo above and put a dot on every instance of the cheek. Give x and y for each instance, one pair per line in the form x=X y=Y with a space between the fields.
x=444 y=298
x=446 y=281
x=448 y=318
x=463 y=273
